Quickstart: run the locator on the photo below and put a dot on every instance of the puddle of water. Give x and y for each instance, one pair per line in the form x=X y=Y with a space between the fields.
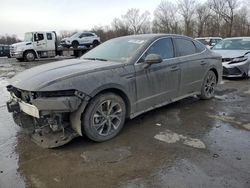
x=228 y=119
x=247 y=92
x=246 y=126
x=4 y=94
x=107 y=156
x=172 y=137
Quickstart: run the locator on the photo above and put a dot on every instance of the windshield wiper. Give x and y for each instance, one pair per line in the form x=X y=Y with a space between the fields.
x=95 y=59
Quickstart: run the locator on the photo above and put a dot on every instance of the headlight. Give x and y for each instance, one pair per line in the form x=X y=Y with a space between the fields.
x=68 y=41
x=239 y=59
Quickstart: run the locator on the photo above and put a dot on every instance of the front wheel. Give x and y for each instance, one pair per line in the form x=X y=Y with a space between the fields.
x=104 y=117
x=75 y=44
x=208 y=86
x=29 y=56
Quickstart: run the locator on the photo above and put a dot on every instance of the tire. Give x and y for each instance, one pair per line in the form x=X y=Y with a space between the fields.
x=75 y=44
x=110 y=123
x=29 y=56
x=95 y=43
x=208 y=86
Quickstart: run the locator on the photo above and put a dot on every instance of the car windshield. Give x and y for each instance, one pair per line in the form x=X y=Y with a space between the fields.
x=75 y=35
x=233 y=44
x=119 y=49
x=28 y=37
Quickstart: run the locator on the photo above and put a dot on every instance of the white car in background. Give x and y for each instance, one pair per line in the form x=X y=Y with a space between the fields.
x=81 y=38
x=209 y=42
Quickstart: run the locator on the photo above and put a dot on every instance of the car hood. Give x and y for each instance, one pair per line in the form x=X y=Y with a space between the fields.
x=39 y=77
x=21 y=44
x=65 y=39
x=231 y=53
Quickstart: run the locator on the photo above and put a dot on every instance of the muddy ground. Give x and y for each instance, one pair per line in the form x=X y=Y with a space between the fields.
x=190 y=143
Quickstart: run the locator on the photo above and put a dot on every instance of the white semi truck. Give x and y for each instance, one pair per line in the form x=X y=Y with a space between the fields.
x=38 y=45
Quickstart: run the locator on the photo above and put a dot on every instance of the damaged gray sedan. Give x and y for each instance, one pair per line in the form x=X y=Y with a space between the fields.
x=235 y=54
x=118 y=80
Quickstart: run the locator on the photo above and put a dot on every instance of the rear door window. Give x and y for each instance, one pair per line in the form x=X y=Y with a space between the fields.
x=184 y=47
x=49 y=36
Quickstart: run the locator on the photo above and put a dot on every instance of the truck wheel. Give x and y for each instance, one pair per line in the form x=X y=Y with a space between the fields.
x=104 y=117
x=208 y=86
x=75 y=44
x=95 y=43
x=29 y=56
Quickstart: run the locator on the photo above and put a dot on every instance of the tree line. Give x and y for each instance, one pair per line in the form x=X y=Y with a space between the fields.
x=224 y=18
x=9 y=39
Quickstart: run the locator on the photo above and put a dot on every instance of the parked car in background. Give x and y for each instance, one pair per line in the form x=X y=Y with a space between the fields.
x=209 y=41
x=81 y=38
x=4 y=50
x=235 y=54
x=121 y=78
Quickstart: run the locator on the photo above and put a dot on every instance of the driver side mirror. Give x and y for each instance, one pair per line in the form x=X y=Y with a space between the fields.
x=152 y=59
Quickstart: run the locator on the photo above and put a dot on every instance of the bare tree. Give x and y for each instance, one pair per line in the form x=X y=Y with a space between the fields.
x=187 y=11
x=120 y=27
x=7 y=39
x=226 y=9
x=166 y=18
x=136 y=22
x=203 y=13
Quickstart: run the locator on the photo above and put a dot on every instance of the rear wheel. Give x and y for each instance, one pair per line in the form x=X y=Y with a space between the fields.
x=104 y=117
x=95 y=43
x=208 y=86
x=29 y=56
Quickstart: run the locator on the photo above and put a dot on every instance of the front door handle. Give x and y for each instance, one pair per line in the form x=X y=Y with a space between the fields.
x=175 y=68
x=203 y=63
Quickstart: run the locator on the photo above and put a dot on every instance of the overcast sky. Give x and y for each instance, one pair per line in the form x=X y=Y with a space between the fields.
x=19 y=16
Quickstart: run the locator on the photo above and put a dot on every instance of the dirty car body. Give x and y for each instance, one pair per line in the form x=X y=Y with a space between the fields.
x=235 y=54
x=119 y=79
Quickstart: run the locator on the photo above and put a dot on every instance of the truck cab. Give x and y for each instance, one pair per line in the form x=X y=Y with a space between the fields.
x=35 y=45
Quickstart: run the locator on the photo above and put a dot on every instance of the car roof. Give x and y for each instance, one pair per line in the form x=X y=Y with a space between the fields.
x=237 y=38
x=208 y=38
x=154 y=36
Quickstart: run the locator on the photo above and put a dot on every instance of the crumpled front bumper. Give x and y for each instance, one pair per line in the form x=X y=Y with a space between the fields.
x=37 y=119
x=42 y=106
x=236 y=69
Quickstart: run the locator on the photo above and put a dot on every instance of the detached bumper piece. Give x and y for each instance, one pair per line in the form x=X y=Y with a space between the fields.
x=46 y=138
x=49 y=131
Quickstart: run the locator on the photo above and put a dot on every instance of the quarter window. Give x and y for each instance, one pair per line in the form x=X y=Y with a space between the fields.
x=162 y=47
x=184 y=47
x=199 y=46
